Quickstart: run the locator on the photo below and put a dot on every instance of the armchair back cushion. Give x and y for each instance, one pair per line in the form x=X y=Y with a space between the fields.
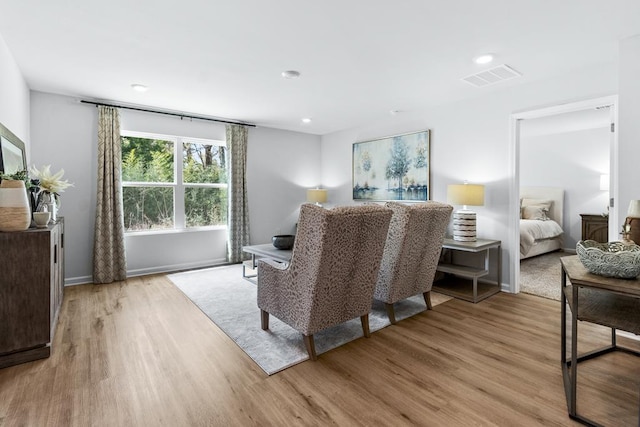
x=412 y=250
x=333 y=269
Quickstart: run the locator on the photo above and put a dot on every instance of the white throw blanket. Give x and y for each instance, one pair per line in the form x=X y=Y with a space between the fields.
x=532 y=230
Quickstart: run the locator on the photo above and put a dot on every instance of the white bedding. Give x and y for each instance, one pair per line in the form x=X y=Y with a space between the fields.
x=532 y=230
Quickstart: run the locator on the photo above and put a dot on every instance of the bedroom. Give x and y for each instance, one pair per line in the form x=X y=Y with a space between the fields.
x=563 y=157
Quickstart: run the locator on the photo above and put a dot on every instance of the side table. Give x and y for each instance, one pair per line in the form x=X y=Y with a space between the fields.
x=266 y=250
x=613 y=303
x=473 y=291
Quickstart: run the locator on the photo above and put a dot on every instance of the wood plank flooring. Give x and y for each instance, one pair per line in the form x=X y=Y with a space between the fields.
x=139 y=353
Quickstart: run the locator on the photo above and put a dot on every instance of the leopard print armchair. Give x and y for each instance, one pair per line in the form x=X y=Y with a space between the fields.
x=332 y=273
x=411 y=252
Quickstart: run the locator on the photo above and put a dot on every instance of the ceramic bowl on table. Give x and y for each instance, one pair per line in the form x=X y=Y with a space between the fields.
x=612 y=259
x=283 y=241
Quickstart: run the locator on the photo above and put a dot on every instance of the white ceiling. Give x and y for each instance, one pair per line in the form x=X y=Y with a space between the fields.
x=359 y=59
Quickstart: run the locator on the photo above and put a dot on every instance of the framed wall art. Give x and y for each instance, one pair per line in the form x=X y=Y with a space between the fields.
x=392 y=168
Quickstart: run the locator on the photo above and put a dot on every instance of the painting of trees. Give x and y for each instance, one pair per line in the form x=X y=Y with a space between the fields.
x=392 y=168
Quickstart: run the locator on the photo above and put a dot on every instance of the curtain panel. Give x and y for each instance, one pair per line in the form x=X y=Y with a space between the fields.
x=109 y=261
x=238 y=210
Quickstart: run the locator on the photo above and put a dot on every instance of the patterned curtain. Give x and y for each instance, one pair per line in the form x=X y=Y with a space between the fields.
x=109 y=262
x=238 y=211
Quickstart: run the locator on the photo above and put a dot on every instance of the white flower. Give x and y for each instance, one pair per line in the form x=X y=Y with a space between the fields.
x=51 y=183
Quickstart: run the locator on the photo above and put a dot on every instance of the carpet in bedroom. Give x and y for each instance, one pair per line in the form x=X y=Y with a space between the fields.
x=540 y=275
x=230 y=302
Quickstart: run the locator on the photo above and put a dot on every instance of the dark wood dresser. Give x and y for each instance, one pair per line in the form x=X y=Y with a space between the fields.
x=31 y=291
x=595 y=227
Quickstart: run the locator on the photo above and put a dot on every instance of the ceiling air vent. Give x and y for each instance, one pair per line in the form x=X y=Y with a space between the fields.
x=492 y=76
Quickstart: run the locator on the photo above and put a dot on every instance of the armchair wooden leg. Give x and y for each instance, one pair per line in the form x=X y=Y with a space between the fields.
x=264 y=320
x=390 y=313
x=365 y=325
x=427 y=299
x=311 y=348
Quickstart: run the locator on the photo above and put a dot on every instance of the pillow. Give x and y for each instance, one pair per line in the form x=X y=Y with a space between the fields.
x=537 y=202
x=534 y=212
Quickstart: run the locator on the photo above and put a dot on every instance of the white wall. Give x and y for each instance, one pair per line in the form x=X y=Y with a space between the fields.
x=629 y=125
x=574 y=162
x=64 y=134
x=470 y=141
x=14 y=97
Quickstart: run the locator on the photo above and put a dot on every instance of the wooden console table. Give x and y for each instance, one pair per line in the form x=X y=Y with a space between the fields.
x=614 y=303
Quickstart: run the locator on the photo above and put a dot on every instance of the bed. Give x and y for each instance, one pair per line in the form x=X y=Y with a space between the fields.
x=540 y=220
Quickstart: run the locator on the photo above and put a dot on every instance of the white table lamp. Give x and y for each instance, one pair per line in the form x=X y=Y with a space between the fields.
x=464 y=220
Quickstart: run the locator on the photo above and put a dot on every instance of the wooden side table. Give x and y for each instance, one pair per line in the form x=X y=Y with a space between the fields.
x=595 y=227
x=473 y=291
x=614 y=303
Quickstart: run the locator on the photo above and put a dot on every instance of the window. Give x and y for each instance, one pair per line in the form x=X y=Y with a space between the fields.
x=172 y=182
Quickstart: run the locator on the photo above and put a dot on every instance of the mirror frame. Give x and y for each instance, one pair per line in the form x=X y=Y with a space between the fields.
x=8 y=139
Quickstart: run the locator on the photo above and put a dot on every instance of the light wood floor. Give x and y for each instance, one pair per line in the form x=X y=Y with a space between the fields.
x=139 y=353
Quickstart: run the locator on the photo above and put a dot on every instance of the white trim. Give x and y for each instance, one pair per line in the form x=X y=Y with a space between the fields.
x=87 y=280
x=514 y=160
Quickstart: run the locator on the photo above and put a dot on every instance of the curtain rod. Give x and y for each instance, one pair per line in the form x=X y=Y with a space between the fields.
x=182 y=116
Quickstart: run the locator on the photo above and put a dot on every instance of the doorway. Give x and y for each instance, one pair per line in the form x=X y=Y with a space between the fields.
x=528 y=129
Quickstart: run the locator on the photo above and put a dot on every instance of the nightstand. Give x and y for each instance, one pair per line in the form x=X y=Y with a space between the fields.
x=595 y=227
x=461 y=281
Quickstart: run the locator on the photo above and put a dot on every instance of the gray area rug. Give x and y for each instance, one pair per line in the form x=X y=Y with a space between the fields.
x=541 y=275
x=230 y=302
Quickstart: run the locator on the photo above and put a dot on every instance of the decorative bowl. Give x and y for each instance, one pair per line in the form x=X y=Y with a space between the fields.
x=283 y=241
x=613 y=259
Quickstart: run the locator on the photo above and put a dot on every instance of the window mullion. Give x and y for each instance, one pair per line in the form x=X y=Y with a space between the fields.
x=179 y=187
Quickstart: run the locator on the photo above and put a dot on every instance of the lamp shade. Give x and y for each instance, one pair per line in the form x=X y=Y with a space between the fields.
x=604 y=182
x=634 y=209
x=317 y=195
x=465 y=194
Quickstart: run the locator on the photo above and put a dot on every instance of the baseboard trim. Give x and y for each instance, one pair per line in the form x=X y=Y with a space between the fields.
x=83 y=280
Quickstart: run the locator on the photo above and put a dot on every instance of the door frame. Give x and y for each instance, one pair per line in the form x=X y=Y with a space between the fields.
x=514 y=160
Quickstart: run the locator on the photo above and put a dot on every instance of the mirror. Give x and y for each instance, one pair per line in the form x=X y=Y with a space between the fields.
x=13 y=157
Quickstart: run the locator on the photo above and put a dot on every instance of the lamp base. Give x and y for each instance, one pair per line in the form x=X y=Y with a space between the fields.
x=464 y=226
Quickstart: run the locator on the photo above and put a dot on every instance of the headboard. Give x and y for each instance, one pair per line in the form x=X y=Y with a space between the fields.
x=547 y=193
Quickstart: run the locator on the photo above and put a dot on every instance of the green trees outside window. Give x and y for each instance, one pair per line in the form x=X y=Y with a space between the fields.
x=154 y=199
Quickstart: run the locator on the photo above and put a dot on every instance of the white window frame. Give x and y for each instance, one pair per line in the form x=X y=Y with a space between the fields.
x=179 y=215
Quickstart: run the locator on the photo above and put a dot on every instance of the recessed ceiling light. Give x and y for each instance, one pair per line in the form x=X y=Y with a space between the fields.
x=306 y=120
x=290 y=74
x=484 y=59
x=139 y=88
x=394 y=112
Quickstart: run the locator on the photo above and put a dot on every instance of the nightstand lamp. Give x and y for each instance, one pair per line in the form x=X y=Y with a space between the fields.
x=464 y=220
x=317 y=196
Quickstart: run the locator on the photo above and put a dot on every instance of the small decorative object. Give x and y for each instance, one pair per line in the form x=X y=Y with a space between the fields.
x=41 y=219
x=626 y=233
x=283 y=241
x=47 y=203
x=50 y=188
x=15 y=210
x=613 y=259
